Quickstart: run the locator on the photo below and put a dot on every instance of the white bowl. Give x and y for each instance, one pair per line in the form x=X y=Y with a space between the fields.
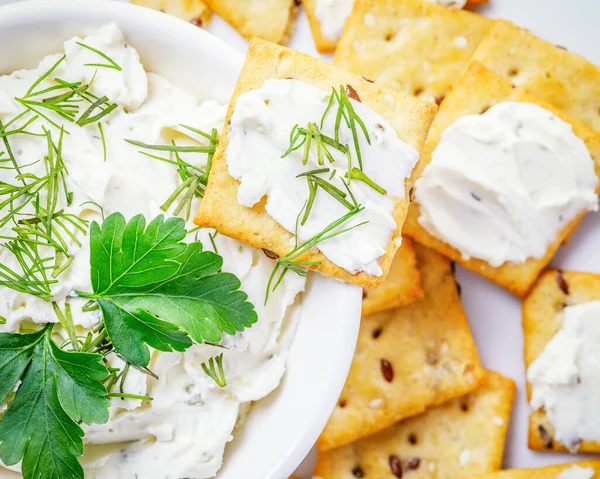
x=282 y=428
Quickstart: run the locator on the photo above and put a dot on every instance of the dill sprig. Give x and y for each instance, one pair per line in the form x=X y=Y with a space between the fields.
x=356 y=174
x=216 y=373
x=111 y=63
x=193 y=179
x=290 y=261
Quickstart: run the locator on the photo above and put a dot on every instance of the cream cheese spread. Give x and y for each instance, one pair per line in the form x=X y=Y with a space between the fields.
x=576 y=472
x=332 y=15
x=564 y=377
x=259 y=135
x=502 y=185
x=184 y=430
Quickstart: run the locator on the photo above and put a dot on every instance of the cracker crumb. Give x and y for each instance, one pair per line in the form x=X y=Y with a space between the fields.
x=369 y=20
x=398 y=241
x=375 y=403
x=465 y=457
x=461 y=42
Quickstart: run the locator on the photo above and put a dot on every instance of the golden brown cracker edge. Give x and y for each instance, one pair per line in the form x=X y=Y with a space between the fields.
x=460 y=438
x=476 y=91
x=391 y=42
x=270 y=20
x=552 y=292
x=219 y=209
x=401 y=286
x=407 y=359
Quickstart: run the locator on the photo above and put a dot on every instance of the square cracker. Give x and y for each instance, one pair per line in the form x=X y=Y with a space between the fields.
x=401 y=286
x=411 y=45
x=477 y=90
x=219 y=209
x=551 y=293
x=193 y=11
x=549 y=472
x=429 y=348
x=544 y=68
x=461 y=438
x=270 y=20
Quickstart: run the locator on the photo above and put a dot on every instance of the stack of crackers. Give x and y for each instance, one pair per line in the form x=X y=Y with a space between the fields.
x=418 y=403
x=441 y=414
x=271 y=20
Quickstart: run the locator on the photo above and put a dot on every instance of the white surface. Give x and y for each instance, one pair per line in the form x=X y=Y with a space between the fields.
x=277 y=434
x=495 y=315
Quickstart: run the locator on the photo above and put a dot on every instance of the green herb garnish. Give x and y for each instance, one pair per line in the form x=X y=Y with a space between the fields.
x=215 y=373
x=154 y=289
x=59 y=390
x=111 y=63
x=290 y=261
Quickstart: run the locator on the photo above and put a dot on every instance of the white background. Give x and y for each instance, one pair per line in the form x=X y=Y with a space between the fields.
x=495 y=315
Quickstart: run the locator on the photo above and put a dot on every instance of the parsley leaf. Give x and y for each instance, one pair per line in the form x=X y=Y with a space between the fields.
x=156 y=290
x=59 y=389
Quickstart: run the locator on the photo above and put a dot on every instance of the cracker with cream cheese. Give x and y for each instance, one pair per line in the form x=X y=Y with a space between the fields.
x=411 y=45
x=477 y=90
x=549 y=472
x=220 y=209
x=461 y=438
x=270 y=20
x=567 y=80
x=193 y=11
x=401 y=286
x=407 y=359
x=551 y=293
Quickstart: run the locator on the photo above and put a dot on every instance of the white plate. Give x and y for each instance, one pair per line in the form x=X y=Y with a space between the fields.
x=281 y=429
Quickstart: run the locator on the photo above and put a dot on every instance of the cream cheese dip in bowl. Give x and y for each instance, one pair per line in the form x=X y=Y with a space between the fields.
x=274 y=434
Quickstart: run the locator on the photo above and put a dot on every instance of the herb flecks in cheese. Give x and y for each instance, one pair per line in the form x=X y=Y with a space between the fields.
x=338 y=155
x=502 y=185
x=65 y=164
x=565 y=376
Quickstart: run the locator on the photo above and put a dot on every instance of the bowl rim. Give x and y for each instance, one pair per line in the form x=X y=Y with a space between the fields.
x=342 y=302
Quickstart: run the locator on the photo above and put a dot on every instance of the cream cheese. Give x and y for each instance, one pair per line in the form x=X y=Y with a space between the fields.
x=502 y=185
x=184 y=431
x=259 y=134
x=576 y=472
x=564 y=377
x=332 y=15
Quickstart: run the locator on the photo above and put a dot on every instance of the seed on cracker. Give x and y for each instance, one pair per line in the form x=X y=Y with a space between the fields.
x=553 y=291
x=456 y=439
x=407 y=359
x=562 y=78
x=476 y=91
x=391 y=42
x=220 y=209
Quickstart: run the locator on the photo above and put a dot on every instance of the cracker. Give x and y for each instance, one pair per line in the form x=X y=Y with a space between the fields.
x=270 y=20
x=219 y=209
x=323 y=44
x=549 y=472
x=193 y=11
x=540 y=324
x=477 y=90
x=430 y=349
x=529 y=61
x=460 y=438
x=401 y=286
x=411 y=45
